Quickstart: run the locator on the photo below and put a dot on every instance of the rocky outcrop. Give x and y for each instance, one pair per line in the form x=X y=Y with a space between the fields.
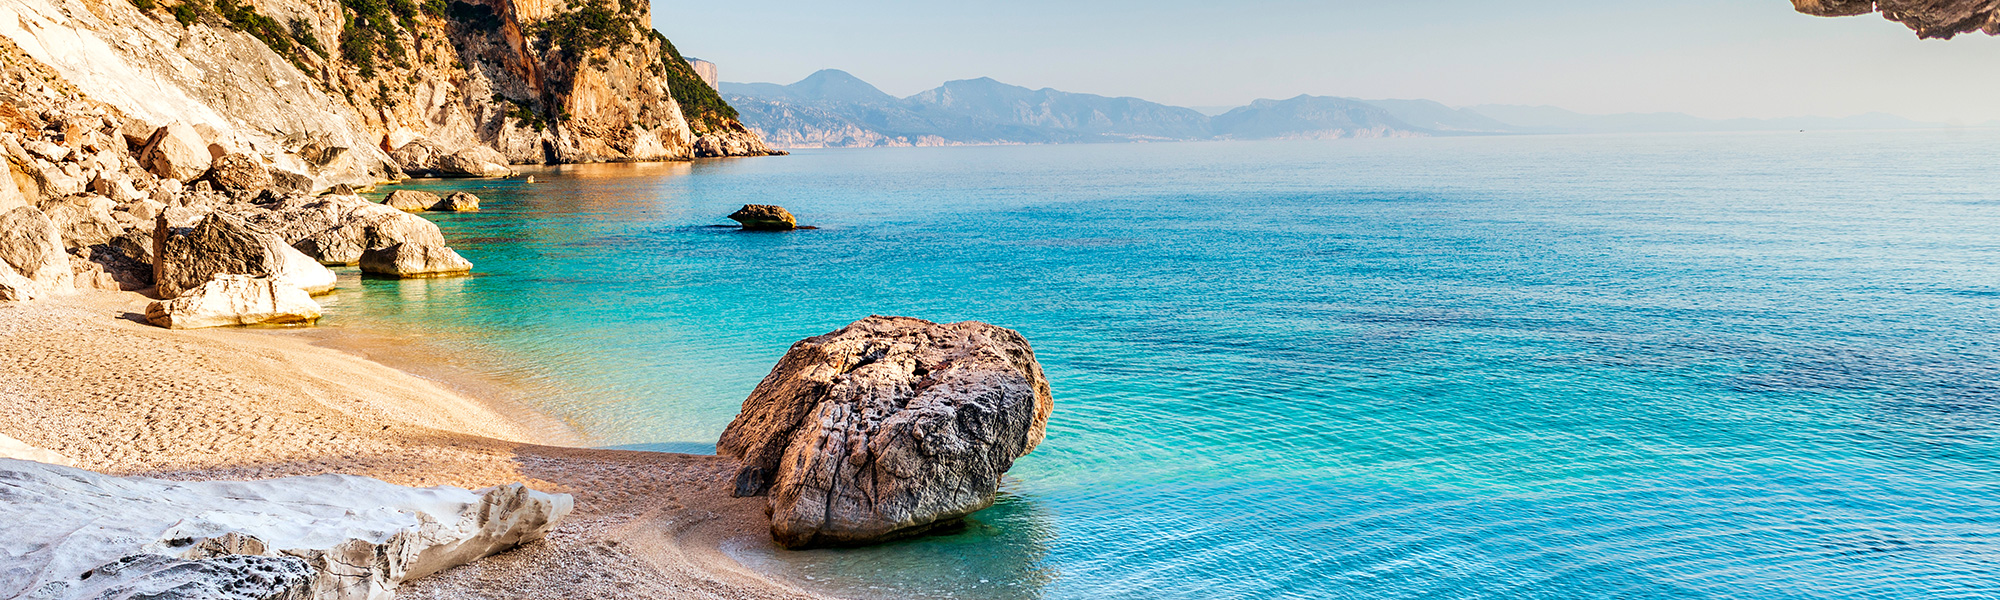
x=1929 y=18
x=414 y=261
x=337 y=229
x=74 y=534
x=227 y=245
x=887 y=428
x=423 y=159
x=230 y=300
x=764 y=217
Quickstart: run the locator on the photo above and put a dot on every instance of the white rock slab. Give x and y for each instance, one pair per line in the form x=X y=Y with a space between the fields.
x=357 y=538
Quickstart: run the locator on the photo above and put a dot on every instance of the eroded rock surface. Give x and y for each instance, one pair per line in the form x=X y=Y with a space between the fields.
x=227 y=245
x=1929 y=18
x=74 y=534
x=230 y=300
x=337 y=229
x=887 y=428
x=33 y=264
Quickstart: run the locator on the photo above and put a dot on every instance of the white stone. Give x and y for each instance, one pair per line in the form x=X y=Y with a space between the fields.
x=358 y=537
x=16 y=449
x=229 y=300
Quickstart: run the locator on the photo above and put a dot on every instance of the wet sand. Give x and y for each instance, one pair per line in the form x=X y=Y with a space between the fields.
x=84 y=378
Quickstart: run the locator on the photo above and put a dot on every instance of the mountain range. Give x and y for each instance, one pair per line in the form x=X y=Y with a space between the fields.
x=832 y=108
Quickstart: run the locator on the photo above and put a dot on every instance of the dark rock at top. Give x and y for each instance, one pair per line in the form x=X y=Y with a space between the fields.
x=1929 y=18
x=887 y=428
x=765 y=217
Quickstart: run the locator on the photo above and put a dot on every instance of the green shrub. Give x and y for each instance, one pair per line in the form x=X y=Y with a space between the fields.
x=145 y=5
x=186 y=13
x=590 y=27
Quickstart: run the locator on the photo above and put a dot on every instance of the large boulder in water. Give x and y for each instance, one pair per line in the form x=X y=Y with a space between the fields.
x=230 y=300
x=887 y=428
x=224 y=244
x=33 y=264
x=410 y=200
x=765 y=217
x=74 y=534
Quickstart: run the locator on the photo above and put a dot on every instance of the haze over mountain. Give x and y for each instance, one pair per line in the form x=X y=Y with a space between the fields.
x=832 y=108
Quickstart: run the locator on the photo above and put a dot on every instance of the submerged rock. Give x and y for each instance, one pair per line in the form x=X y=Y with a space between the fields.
x=410 y=200
x=458 y=202
x=765 y=217
x=226 y=245
x=887 y=428
x=74 y=534
x=230 y=300
x=414 y=260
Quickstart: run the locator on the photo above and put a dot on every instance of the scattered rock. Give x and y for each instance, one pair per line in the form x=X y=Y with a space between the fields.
x=236 y=172
x=287 y=181
x=226 y=245
x=47 y=150
x=410 y=200
x=887 y=428
x=85 y=219
x=229 y=300
x=765 y=217
x=414 y=260
x=77 y=534
x=177 y=152
x=458 y=202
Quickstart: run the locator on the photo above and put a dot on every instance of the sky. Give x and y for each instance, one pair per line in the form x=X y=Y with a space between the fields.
x=1710 y=58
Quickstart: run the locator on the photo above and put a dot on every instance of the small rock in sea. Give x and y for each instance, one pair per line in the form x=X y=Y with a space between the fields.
x=458 y=202
x=765 y=217
x=230 y=300
x=937 y=413
x=411 y=200
x=531 y=179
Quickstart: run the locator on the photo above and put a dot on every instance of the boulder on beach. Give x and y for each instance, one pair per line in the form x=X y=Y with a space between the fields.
x=458 y=202
x=75 y=534
x=410 y=200
x=230 y=300
x=765 y=217
x=887 y=428
x=33 y=264
x=223 y=244
x=414 y=260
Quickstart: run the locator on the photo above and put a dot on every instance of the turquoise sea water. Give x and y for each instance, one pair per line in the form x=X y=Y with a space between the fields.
x=1703 y=366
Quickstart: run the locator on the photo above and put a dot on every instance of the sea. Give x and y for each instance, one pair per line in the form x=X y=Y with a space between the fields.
x=1687 y=366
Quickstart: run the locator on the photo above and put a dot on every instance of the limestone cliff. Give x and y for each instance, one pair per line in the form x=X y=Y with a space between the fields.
x=330 y=88
x=1929 y=18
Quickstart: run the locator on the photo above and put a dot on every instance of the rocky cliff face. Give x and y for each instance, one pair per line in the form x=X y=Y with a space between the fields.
x=330 y=88
x=1929 y=18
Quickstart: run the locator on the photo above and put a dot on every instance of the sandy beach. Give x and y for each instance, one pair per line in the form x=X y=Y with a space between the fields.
x=82 y=377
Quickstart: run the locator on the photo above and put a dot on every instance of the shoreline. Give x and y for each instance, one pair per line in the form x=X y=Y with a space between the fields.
x=85 y=378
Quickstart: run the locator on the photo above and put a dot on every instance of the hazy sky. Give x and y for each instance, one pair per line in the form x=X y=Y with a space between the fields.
x=1713 y=58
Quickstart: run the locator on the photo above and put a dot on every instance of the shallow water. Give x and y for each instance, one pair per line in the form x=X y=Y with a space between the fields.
x=1703 y=366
